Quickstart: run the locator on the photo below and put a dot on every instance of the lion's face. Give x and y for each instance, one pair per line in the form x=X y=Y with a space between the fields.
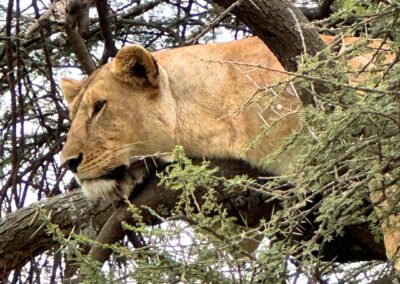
x=119 y=114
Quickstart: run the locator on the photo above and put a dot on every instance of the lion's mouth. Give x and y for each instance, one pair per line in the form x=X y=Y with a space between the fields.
x=117 y=173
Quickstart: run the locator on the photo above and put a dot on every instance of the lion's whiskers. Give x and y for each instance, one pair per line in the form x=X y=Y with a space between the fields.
x=106 y=160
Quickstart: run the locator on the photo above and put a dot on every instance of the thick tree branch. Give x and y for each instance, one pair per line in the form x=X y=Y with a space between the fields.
x=23 y=235
x=77 y=15
x=74 y=210
x=12 y=180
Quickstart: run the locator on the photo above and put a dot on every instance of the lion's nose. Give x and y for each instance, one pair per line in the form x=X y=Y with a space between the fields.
x=73 y=163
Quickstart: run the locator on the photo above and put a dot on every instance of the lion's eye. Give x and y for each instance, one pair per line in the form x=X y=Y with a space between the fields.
x=98 y=106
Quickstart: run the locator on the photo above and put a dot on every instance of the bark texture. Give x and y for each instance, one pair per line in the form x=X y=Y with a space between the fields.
x=23 y=234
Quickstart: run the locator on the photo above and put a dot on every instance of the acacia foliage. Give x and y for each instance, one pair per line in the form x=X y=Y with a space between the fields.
x=351 y=136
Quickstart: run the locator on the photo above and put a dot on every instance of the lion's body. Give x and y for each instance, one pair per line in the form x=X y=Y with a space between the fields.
x=213 y=116
x=207 y=98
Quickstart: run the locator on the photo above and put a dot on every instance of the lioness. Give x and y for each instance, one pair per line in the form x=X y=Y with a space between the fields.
x=206 y=98
x=146 y=103
x=201 y=97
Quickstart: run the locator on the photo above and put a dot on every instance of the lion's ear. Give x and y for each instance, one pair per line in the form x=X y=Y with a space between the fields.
x=70 y=88
x=134 y=64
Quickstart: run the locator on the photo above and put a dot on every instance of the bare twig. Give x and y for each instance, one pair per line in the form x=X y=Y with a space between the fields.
x=213 y=23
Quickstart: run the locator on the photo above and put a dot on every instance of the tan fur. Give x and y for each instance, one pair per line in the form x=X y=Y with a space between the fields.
x=188 y=96
x=192 y=99
x=191 y=96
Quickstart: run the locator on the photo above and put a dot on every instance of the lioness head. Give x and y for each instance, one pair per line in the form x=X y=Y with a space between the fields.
x=119 y=113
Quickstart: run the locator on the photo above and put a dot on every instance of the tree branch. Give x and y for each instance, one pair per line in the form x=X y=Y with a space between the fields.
x=74 y=210
x=109 y=47
x=76 y=18
x=282 y=23
x=79 y=48
x=23 y=235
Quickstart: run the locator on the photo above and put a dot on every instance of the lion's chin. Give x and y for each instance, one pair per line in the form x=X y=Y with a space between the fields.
x=112 y=186
x=116 y=184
